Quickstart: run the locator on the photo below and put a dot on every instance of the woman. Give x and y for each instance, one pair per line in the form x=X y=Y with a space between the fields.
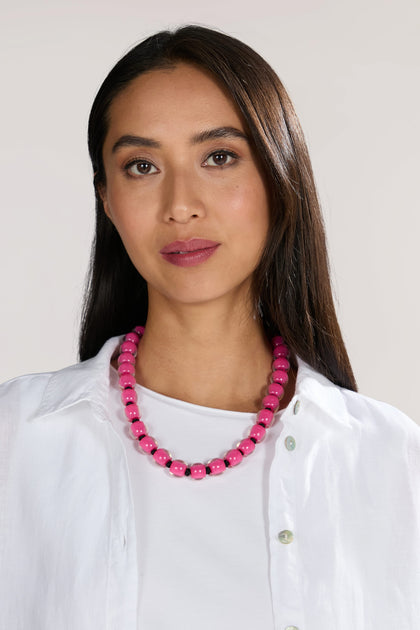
x=209 y=233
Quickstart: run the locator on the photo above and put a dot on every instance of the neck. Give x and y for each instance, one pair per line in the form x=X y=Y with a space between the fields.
x=211 y=355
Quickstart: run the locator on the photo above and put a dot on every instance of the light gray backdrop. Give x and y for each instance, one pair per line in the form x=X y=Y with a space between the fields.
x=352 y=70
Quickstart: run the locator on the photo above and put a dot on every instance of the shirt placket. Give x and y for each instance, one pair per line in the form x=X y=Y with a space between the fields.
x=285 y=570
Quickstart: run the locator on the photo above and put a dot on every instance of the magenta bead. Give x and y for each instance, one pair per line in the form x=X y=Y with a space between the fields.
x=126 y=380
x=266 y=417
x=270 y=402
x=126 y=357
x=275 y=389
x=246 y=446
x=280 y=377
x=198 y=471
x=217 y=466
x=133 y=337
x=139 y=330
x=277 y=341
x=132 y=412
x=128 y=346
x=281 y=351
x=147 y=444
x=178 y=468
x=138 y=429
x=281 y=364
x=234 y=457
x=161 y=456
x=126 y=368
x=257 y=432
x=128 y=396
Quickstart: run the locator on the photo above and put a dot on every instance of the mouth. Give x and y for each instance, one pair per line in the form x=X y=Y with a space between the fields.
x=189 y=253
x=186 y=247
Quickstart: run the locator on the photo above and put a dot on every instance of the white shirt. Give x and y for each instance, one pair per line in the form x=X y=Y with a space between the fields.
x=349 y=493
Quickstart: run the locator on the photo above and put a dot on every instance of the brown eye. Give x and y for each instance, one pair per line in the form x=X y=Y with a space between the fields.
x=140 y=167
x=220 y=158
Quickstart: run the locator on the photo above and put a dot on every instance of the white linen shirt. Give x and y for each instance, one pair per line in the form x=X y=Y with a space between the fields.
x=347 y=496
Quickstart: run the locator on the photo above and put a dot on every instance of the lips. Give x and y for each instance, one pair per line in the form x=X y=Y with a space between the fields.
x=189 y=253
x=183 y=247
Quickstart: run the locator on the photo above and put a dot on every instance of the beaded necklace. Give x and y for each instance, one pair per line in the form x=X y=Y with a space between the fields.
x=233 y=457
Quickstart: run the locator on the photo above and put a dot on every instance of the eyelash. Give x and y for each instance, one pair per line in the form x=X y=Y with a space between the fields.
x=134 y=161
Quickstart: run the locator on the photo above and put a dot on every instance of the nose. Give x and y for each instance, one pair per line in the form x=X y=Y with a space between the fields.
x=182 y=200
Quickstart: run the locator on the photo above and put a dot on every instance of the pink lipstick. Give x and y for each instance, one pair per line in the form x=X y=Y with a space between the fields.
x=189 y=253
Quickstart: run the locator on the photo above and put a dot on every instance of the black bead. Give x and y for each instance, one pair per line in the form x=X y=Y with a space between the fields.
x=226 y=463
x=168 y=463
x=128 y=387
x=129 y=403
x=208 y=470
x=153 y=451
x=261 y=424
x=253 y=440
x=141 y=437
x=187 y=472
x=241 y=452
x=135 y=420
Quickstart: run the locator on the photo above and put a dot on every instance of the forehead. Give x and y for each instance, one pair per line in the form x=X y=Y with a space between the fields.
x=173 y=99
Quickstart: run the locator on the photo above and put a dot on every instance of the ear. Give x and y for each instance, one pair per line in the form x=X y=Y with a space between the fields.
x=101 y=192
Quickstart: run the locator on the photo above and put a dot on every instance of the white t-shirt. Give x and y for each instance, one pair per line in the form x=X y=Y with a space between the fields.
x=208 y=538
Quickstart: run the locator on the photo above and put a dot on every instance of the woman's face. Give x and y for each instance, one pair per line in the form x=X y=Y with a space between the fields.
x=183 y=187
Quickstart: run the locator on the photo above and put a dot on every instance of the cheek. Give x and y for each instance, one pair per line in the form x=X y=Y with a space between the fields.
x=123 y=210
x=250 y=210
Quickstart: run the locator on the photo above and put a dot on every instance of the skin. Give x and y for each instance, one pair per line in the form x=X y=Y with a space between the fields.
x=182 y=182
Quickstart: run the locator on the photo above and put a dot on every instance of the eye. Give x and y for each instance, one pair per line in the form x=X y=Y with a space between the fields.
x=220 y=158
x=138 y=167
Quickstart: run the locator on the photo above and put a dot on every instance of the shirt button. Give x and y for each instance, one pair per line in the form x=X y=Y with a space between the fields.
x=285 y=536
x=290 y=443
x=296 y=407
x=291 y=628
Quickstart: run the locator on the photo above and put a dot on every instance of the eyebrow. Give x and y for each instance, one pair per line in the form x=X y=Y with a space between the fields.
x=130 y=140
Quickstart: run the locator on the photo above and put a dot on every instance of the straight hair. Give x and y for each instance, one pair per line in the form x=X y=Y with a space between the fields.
x=291 y=285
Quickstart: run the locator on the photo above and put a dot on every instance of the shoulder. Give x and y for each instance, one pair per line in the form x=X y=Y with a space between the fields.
x=354 y=415
x=42 y=394
x=23 y=393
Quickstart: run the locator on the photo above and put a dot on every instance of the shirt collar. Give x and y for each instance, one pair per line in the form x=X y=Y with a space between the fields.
x=89 y=381
x=85 y=381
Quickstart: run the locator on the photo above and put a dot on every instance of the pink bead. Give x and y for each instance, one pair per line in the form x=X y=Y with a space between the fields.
x=217 y=466
x=128 y=346
x=139 y=330
x=257 y=432
x=281 y=364
x=275 y=389
x=277 y=341
x=138 y=429
x=198 y=471
x=178 y=468
x=126 y=357
x=265 y=416
x=234 y=457
x=147 y=444
x=132 y=411
x=126 y=368
x=280 y=351
x=128 y=395
x=161 y=456
x=246 y=446
x=270 y=402
x=126 y=380
x=280 y=377
x=133 y=337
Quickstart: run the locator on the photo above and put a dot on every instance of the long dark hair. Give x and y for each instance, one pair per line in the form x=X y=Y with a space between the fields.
x=291 y=285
